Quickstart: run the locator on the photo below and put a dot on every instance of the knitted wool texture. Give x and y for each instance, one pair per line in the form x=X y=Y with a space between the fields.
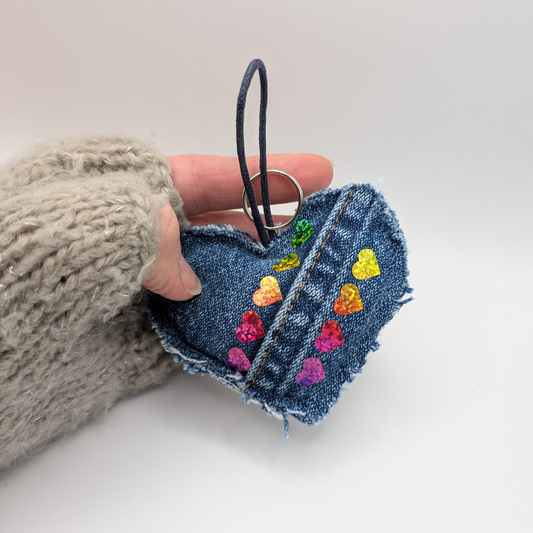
x=79 y=231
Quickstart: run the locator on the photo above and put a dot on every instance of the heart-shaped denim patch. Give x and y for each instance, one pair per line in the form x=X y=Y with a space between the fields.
x=280 y=337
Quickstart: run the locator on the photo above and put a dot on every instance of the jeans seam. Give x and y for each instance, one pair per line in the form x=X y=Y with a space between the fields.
x=301 y=288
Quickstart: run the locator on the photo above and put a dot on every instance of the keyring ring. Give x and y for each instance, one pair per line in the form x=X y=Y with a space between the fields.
x=246 y=207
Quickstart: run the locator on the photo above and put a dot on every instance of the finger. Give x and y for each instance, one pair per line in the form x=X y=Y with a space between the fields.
x=171 y=276
x=234 y=218
x=214 y=183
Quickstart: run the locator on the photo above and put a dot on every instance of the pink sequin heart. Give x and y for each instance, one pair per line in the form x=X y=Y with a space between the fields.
x=237 y=360
x=311 y=373
x=331 y=337
x=251 y=328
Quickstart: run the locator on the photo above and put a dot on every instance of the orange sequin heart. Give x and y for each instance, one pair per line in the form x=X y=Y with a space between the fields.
x=367 y=266
x=269 y=292
x=349 y=301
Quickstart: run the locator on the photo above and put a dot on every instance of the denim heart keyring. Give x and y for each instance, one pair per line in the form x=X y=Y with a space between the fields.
x=289 y=320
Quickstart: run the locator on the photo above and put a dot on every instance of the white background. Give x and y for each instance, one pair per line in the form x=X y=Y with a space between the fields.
x=433 y=96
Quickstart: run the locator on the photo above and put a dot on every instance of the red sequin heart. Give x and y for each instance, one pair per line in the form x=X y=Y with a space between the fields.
x=331 y=337
x=251 y=328
x=312 y=372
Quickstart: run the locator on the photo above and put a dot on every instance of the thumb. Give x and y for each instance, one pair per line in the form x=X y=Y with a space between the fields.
x=171 y=276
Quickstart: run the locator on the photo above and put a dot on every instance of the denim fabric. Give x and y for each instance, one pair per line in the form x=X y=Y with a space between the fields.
x=200 y=332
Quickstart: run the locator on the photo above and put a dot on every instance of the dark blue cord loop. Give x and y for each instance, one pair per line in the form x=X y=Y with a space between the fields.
x=264 y=236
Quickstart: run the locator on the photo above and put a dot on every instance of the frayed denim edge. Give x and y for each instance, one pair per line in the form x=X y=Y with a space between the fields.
x=249 y=397
x=199 y=367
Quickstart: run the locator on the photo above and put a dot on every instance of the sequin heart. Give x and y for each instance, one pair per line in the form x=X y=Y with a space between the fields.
x=311 y=373
x=331 y=337
x=288 y=262
x=367 y=266
x=349 y=301
x=237 y=360
x=304 y=230
x=251 y=328
x=269 y=292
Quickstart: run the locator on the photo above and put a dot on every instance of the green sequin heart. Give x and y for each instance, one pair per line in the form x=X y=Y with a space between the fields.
x=304 y=230
x=288 y=262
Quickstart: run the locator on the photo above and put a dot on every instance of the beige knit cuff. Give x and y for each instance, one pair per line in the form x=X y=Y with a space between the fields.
x=93 y=156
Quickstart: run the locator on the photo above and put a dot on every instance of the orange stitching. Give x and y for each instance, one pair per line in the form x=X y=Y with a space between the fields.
x=301 y=288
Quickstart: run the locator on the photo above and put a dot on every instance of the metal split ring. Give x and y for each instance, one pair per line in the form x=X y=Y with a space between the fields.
x=246 y=206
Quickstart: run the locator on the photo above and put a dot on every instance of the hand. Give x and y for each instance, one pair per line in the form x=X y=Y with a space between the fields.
x=210 y=186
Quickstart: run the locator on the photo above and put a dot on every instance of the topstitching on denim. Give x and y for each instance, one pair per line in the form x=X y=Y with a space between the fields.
x=301 y=288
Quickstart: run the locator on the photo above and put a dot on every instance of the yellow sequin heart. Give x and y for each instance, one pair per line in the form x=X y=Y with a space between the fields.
x=269 y=292
x=349 y=301
x=367 y=266
x=288 y=262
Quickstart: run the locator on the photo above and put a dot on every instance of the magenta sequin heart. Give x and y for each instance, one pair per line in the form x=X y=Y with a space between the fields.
x=331 y=337
x=251 y=328
x=237 y=360
x=312 y=372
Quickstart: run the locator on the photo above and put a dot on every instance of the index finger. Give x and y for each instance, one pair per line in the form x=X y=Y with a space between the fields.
x=213 y=183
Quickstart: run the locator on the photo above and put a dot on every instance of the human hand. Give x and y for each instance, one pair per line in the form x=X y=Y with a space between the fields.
x=210 y=187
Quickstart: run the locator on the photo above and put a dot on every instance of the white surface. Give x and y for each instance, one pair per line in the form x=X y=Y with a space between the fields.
x=433 y=96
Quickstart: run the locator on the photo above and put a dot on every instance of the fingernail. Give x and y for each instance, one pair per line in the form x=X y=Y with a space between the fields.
x=331 y=162
x=189 y=278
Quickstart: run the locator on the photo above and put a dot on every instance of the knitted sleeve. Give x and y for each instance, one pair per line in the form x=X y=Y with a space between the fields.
x=78 y=233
